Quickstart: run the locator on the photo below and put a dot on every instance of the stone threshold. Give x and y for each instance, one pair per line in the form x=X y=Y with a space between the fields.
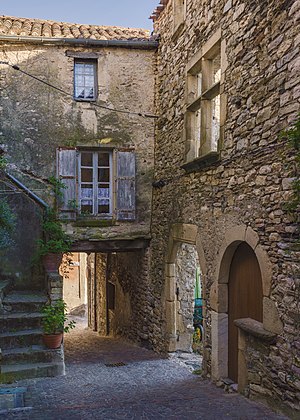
x=255 y=328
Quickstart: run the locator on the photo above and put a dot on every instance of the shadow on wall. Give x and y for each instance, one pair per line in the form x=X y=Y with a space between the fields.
x=16 y=259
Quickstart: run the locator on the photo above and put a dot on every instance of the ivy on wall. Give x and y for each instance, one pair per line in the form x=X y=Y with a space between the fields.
x=293 y=136
x=7 y=225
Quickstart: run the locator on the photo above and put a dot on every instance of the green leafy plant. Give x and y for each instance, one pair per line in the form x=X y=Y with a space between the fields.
x=7 y=224
x=56 y=240
x=55 y=318
x=293 y=136
x=58 y=187
x=3 y=162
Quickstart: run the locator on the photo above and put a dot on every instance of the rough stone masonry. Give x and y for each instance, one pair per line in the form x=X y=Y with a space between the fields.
x=241 y=196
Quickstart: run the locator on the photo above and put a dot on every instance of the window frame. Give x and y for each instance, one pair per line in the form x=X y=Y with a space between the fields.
x=200 y=100
x=95 y=182
x=95 y=77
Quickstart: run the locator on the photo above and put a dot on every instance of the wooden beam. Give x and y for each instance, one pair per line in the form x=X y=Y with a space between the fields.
x=110 y=245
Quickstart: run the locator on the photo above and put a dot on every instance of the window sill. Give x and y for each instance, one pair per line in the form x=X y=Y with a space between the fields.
x=201 y=162
x=177 y=31
x=94 y=223
x=85 y=100
x=255 y=328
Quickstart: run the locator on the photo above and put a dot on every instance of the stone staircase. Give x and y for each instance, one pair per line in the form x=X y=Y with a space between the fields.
x=23 y=354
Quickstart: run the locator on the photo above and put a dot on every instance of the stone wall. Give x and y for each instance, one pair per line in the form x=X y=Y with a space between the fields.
x=251 y=182
x=136 y=314
x=101 y=264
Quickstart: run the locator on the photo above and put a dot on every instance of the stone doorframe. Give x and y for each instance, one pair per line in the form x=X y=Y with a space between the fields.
x=188 y=234
x=219 y=303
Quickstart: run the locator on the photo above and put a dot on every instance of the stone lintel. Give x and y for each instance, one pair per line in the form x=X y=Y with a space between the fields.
x=255 y=328
x=111 y=245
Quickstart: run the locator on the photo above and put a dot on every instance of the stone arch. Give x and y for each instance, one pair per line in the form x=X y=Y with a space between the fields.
x=179 y=234
x=219 y=296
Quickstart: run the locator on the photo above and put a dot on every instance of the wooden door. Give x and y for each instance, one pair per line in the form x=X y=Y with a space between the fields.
x=245 y=299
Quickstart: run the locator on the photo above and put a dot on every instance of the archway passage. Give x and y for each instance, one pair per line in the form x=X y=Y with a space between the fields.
x=245 y=299
x=188 y=300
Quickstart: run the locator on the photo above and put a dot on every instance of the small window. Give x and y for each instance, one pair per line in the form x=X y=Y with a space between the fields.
x=85 y=80
x=203 y=116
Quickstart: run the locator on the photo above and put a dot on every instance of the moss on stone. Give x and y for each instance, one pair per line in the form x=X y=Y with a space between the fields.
x=94 y=223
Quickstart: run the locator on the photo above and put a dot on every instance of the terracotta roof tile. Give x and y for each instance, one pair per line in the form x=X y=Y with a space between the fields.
x=15 y=26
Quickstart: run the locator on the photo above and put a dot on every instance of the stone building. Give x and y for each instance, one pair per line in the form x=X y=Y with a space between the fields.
x=223 y=81
x=76 y=105
x=227 y=85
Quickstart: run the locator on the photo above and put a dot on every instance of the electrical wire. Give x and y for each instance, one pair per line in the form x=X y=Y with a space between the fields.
x=122 y=111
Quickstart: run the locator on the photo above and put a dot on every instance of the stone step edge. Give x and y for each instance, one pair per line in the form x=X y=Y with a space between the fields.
x=29 y=366
x=21 y=315
x=21 y=333
x=27 y=350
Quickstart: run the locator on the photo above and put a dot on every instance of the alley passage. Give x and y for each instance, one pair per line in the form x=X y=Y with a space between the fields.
x=137 y=384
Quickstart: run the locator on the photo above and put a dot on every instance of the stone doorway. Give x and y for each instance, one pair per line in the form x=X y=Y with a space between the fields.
x=184 y=283
x=188 y=300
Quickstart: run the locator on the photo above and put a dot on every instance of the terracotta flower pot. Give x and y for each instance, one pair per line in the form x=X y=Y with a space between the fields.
x=52 y=341
x=52 y=262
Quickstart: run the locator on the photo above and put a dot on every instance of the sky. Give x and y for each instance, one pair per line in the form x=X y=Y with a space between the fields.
x=127 y=13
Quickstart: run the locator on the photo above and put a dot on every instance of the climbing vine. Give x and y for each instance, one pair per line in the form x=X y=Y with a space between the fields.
x=7 y=224
x=7 y=216
x=293 y=136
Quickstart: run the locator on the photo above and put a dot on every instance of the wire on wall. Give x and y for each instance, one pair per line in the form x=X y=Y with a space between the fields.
x=122 y=111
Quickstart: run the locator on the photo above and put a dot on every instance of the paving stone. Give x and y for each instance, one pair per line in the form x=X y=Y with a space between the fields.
x=149 y=386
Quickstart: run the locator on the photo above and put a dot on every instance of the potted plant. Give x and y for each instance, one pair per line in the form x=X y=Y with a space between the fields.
x=55 y=243
x=55 y=323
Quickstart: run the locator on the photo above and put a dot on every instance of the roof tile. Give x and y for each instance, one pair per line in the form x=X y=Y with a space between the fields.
x=12 y=26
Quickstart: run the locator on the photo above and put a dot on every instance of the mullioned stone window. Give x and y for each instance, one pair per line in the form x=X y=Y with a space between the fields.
x=179 y=12
x=205 y=116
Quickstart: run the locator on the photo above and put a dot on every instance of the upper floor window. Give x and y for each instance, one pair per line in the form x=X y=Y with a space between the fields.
x=85 y=80
x=179 y=10
x=204 y=115
x=98 y=183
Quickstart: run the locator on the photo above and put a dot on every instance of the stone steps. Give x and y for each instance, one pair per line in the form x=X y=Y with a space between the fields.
x=23 y=353
x=26 y=302
x=19 y=321
x=21 y=338
x=34 y=354
x=11 y=373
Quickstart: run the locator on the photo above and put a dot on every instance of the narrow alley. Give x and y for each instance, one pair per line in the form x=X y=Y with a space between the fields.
x=107 y=378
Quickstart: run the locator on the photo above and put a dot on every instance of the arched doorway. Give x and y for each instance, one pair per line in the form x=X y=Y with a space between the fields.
x=245 y=298
x=188 y=300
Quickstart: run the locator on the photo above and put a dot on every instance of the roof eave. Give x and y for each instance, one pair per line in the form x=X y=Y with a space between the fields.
x=121 y=43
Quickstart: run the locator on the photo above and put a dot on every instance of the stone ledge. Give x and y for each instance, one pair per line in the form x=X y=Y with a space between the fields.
x=201 y=162
x=255 y=328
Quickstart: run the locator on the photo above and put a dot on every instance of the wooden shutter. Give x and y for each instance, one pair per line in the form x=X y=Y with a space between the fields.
x=66 y=172
x=125 y=185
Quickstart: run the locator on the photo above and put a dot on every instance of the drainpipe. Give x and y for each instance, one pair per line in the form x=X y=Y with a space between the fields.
x=119 y=43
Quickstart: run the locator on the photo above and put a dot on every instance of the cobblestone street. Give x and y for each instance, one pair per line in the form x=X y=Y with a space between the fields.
x=145 y=387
